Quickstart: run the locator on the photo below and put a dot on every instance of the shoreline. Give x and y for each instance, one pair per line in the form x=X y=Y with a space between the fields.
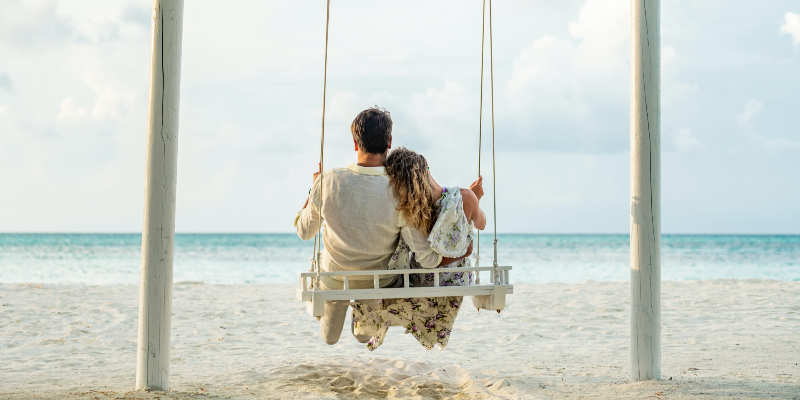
x=720 y=338
x=292 y=284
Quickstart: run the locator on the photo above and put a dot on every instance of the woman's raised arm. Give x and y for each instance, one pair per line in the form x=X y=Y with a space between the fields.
x=472 y=209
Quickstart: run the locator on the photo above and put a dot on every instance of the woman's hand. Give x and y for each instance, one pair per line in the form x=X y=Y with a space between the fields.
x=477 y=187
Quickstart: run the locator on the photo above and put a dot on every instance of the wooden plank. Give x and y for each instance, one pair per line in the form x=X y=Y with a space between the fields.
x=367 y=273
x=155 y=298
x=645 y=190
x=402 y=293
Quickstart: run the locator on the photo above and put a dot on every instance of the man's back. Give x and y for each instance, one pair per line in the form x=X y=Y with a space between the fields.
x=362 y=224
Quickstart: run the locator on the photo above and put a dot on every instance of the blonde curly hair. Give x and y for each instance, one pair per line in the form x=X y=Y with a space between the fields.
x=409 y=178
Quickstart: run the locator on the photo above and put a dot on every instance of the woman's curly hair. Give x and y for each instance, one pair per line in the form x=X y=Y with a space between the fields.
x=408 y=175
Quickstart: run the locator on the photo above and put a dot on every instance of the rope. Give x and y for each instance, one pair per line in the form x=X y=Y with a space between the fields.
x=494 y=179
x=480 y=119
x=318 y=243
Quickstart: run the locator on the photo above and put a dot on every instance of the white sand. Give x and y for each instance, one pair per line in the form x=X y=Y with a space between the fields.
x=731 y=339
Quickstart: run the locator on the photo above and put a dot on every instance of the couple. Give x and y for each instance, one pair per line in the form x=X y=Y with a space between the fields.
x=387 y=212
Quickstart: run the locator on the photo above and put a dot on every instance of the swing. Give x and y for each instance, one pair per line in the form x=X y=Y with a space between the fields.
x=490 y=296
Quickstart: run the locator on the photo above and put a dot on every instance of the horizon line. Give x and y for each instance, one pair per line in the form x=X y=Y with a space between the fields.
x=289 y=233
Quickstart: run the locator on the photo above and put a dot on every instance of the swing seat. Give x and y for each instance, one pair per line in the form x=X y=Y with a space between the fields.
x=489 y=296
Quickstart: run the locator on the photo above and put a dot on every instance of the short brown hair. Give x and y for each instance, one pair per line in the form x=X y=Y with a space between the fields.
x=372 y=129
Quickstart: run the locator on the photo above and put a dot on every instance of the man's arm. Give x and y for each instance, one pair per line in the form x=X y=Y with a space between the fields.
x=308 y=220
x=423 y=254
x=419 y=245
x=449 y=260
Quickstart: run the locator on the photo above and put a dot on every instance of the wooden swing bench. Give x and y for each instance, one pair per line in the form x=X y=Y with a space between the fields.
x=495 y=290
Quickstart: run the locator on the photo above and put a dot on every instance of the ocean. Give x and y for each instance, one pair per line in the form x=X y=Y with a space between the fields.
x=103 y=259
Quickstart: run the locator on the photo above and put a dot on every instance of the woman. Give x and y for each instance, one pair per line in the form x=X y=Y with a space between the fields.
x=448 y=216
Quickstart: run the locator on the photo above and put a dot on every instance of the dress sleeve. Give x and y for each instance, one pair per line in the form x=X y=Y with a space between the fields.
x=452 y=233
x=419 y=245
x=308 y=220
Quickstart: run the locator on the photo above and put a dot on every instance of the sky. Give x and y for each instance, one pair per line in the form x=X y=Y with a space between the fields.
x=74 y=93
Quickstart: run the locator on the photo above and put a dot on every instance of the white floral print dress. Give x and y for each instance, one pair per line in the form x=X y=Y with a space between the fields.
x=429 y=319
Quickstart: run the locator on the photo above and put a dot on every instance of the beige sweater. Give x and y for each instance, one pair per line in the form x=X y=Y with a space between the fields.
x=362 y=224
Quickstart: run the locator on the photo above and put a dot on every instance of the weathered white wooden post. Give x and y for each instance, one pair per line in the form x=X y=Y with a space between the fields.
x=645 y=190
x=155 y=296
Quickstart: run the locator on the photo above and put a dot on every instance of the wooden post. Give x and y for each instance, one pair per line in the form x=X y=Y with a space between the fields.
x=155 y=296
x=645 y=190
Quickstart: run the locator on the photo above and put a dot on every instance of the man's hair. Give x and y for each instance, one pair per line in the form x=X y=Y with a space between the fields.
x=372 y=129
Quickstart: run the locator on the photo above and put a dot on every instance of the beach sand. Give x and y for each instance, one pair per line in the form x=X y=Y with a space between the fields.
x=721 y=339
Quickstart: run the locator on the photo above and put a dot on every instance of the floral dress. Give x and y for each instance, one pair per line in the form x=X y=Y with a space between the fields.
x=429 y=319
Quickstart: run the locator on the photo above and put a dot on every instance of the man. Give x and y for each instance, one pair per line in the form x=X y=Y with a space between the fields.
x=362 y=223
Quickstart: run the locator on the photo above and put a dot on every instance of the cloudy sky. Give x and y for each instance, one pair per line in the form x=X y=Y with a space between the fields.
x=73 y=107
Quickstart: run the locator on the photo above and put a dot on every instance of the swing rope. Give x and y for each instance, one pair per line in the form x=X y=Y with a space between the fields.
x=480 y=133
x=316 y=262
x=480 y=123
x=494 y=176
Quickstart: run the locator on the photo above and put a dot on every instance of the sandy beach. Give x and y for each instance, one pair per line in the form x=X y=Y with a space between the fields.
x=721 y=338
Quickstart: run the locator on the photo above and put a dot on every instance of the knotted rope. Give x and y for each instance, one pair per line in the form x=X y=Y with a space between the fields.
x=480 y=133
x=315 y=260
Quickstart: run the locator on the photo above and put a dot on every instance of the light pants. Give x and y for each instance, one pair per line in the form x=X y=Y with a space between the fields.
x=332 y=321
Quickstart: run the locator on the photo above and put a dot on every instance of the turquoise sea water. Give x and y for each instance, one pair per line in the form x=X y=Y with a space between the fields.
x=100 y=259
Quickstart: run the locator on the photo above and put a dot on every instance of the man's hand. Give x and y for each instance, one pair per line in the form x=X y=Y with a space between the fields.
x=450 y=260
x=477 y=187
x=316 y=174
x=314 y=179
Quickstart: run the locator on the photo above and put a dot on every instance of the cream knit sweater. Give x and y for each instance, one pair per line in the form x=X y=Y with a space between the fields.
x=362 y=224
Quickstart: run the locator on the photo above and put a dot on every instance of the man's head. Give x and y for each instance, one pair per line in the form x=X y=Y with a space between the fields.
x=372 y=131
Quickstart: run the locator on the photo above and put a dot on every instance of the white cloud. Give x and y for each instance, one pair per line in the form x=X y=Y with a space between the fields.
x=443 y=116
x=545 y=79
x=752 y=108
x=69 y=110
x=28 y=24
x=5 y=82
x=115 y=93
x=603 y=26
x=792 y=27
x=136 y=14
x=686 y=141
x=668 y=55
x=4 y=110
x=781 y=145
x=214 y=188
x=111 y=102
x=568 y=93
